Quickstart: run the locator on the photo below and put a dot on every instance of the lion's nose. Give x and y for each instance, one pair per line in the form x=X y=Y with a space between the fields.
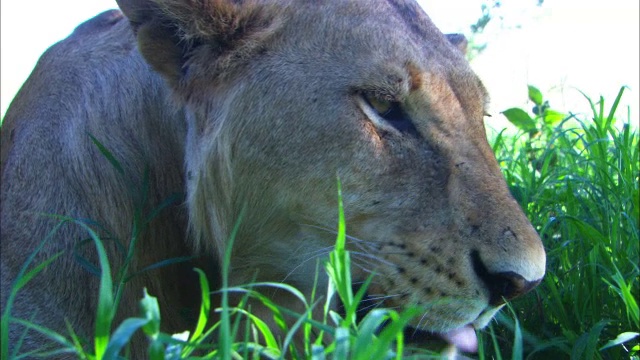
x=506 y=286
x=503 y=286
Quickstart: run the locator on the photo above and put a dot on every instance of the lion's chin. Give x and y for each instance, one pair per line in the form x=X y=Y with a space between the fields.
x=463 y=339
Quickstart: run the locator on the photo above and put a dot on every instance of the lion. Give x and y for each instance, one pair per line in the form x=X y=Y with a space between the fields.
x=257 y=108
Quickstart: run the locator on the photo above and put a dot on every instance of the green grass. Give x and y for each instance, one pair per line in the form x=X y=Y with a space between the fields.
x=576 y=176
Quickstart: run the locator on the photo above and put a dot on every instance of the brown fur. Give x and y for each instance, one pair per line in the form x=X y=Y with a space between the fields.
x=265 y=106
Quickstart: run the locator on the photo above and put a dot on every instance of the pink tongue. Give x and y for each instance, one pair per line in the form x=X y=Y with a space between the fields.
x=464 y=339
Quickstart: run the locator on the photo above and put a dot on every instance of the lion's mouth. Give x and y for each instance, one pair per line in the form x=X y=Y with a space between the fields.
x=463 y=339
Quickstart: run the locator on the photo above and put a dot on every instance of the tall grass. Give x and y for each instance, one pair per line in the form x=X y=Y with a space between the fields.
x=576 y=177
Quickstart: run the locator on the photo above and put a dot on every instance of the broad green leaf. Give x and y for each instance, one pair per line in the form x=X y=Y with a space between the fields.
x=552 y=117
x=535 y=95
x=620 y=339
x=521 y=119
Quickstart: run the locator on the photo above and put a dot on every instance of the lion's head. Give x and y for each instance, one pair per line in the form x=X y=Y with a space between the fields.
x=271 y=102
x=285 y=95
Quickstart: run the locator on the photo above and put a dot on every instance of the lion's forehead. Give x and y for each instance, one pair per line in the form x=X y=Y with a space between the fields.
x=372 y=43
x=352 y=28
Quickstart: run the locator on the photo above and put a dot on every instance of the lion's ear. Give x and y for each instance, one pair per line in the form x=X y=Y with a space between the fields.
x=193 y=42
x=459 y=41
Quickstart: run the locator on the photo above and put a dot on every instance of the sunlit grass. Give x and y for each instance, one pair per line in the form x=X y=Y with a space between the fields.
x=577 y=179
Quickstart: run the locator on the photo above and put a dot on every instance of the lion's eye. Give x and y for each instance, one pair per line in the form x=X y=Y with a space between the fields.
x=392 y=114
x=382 y=107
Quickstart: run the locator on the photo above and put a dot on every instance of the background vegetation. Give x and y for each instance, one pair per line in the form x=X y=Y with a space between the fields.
x=577 y=179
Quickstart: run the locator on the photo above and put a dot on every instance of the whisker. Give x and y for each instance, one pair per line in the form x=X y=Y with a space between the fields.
x=312 y=255
x=363 y=268
x=376 y=297
x=372 y=257
x=419 y=324
x=335 y=232
x=370 y=298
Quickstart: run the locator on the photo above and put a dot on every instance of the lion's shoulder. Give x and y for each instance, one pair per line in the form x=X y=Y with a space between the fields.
x=96 y=72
